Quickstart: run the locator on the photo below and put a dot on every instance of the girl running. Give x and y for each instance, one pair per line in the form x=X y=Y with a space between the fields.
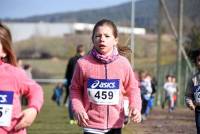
x=192 y=95
x=13 y=83
x=100 y=81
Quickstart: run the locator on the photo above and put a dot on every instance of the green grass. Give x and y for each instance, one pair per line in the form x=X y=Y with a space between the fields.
x=54 y=120
x=55 y=68
x=63 y=48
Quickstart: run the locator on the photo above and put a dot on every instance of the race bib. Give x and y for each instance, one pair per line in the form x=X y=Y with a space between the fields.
x=196 y=91
x=103 y=91
x=6 y=105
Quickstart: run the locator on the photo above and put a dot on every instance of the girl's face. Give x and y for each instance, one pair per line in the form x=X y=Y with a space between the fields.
x=104 y=40
x=169 y=79
x=174 y=80
x=2 y=53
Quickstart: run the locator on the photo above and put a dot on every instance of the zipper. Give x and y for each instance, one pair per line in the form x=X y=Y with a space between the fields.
x=106 y=76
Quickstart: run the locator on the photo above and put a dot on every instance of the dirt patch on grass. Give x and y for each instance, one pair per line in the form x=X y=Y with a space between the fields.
x=180 y=121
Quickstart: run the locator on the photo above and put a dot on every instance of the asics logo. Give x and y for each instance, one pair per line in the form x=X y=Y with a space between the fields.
x=100 y=84
x=3 y=98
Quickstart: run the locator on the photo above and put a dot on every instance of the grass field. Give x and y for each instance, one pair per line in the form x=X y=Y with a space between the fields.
x=54 y=120
x=55 y=68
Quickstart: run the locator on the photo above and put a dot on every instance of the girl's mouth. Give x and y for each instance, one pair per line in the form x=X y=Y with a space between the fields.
x=101 y=46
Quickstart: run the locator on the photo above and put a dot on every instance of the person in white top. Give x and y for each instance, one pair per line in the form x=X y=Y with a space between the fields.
x=170 y=89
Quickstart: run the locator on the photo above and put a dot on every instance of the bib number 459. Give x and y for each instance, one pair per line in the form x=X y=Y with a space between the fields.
x=104 y=95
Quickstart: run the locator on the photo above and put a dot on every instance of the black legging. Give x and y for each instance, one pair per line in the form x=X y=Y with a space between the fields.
x=197 y=119
x=112 y=131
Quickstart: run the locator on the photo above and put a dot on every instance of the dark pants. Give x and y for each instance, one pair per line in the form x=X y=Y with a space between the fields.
x=112 y=131
x=71 y=114
x=197 y=119
x=144 y=105
x=66 y=94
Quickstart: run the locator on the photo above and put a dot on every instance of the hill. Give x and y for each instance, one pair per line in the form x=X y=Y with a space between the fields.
x=146 y=12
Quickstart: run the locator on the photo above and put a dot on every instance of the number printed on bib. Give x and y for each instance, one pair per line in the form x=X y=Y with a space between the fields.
x=103 y=91
x=6 y=105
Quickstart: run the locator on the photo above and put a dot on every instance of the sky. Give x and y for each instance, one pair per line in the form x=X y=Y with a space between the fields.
x=25 y=8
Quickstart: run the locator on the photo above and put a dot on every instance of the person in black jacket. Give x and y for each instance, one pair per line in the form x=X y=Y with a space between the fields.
x=192 y=92
x=68 y=76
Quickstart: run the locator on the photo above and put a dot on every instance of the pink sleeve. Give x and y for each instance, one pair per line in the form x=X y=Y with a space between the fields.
x=77 y=89
x=31 y=90
x=133 y=90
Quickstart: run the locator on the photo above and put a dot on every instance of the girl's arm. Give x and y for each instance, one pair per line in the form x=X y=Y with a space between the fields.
x=34 y=94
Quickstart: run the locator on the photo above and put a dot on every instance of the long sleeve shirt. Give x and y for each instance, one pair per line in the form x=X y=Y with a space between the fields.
x=13 y=83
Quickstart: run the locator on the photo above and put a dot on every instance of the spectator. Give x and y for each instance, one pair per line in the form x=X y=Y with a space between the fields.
x=68 y=76
x=28 y=70
x=57 y=93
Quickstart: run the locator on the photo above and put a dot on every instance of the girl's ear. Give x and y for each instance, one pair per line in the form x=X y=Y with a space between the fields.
x=116 y=41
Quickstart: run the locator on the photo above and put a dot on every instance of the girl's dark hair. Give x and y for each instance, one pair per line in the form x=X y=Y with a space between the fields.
x=6 y=41
x=79 y=48
x=108 y=23
x=193 y=54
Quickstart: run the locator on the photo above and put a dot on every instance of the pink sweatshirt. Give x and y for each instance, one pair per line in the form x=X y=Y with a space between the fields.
x=14 y=80
x=104 y=116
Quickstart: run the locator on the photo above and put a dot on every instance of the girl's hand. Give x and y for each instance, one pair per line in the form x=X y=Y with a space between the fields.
x=191 y=105
x=27 y=117
x=82 y=119
x=135 y=115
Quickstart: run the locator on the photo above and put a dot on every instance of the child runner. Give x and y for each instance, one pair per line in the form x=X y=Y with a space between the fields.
x=192 y=95
x=100 y=81
x=13 y=83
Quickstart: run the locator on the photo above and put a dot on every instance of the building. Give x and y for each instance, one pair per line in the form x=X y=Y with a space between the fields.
x=22 y=31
